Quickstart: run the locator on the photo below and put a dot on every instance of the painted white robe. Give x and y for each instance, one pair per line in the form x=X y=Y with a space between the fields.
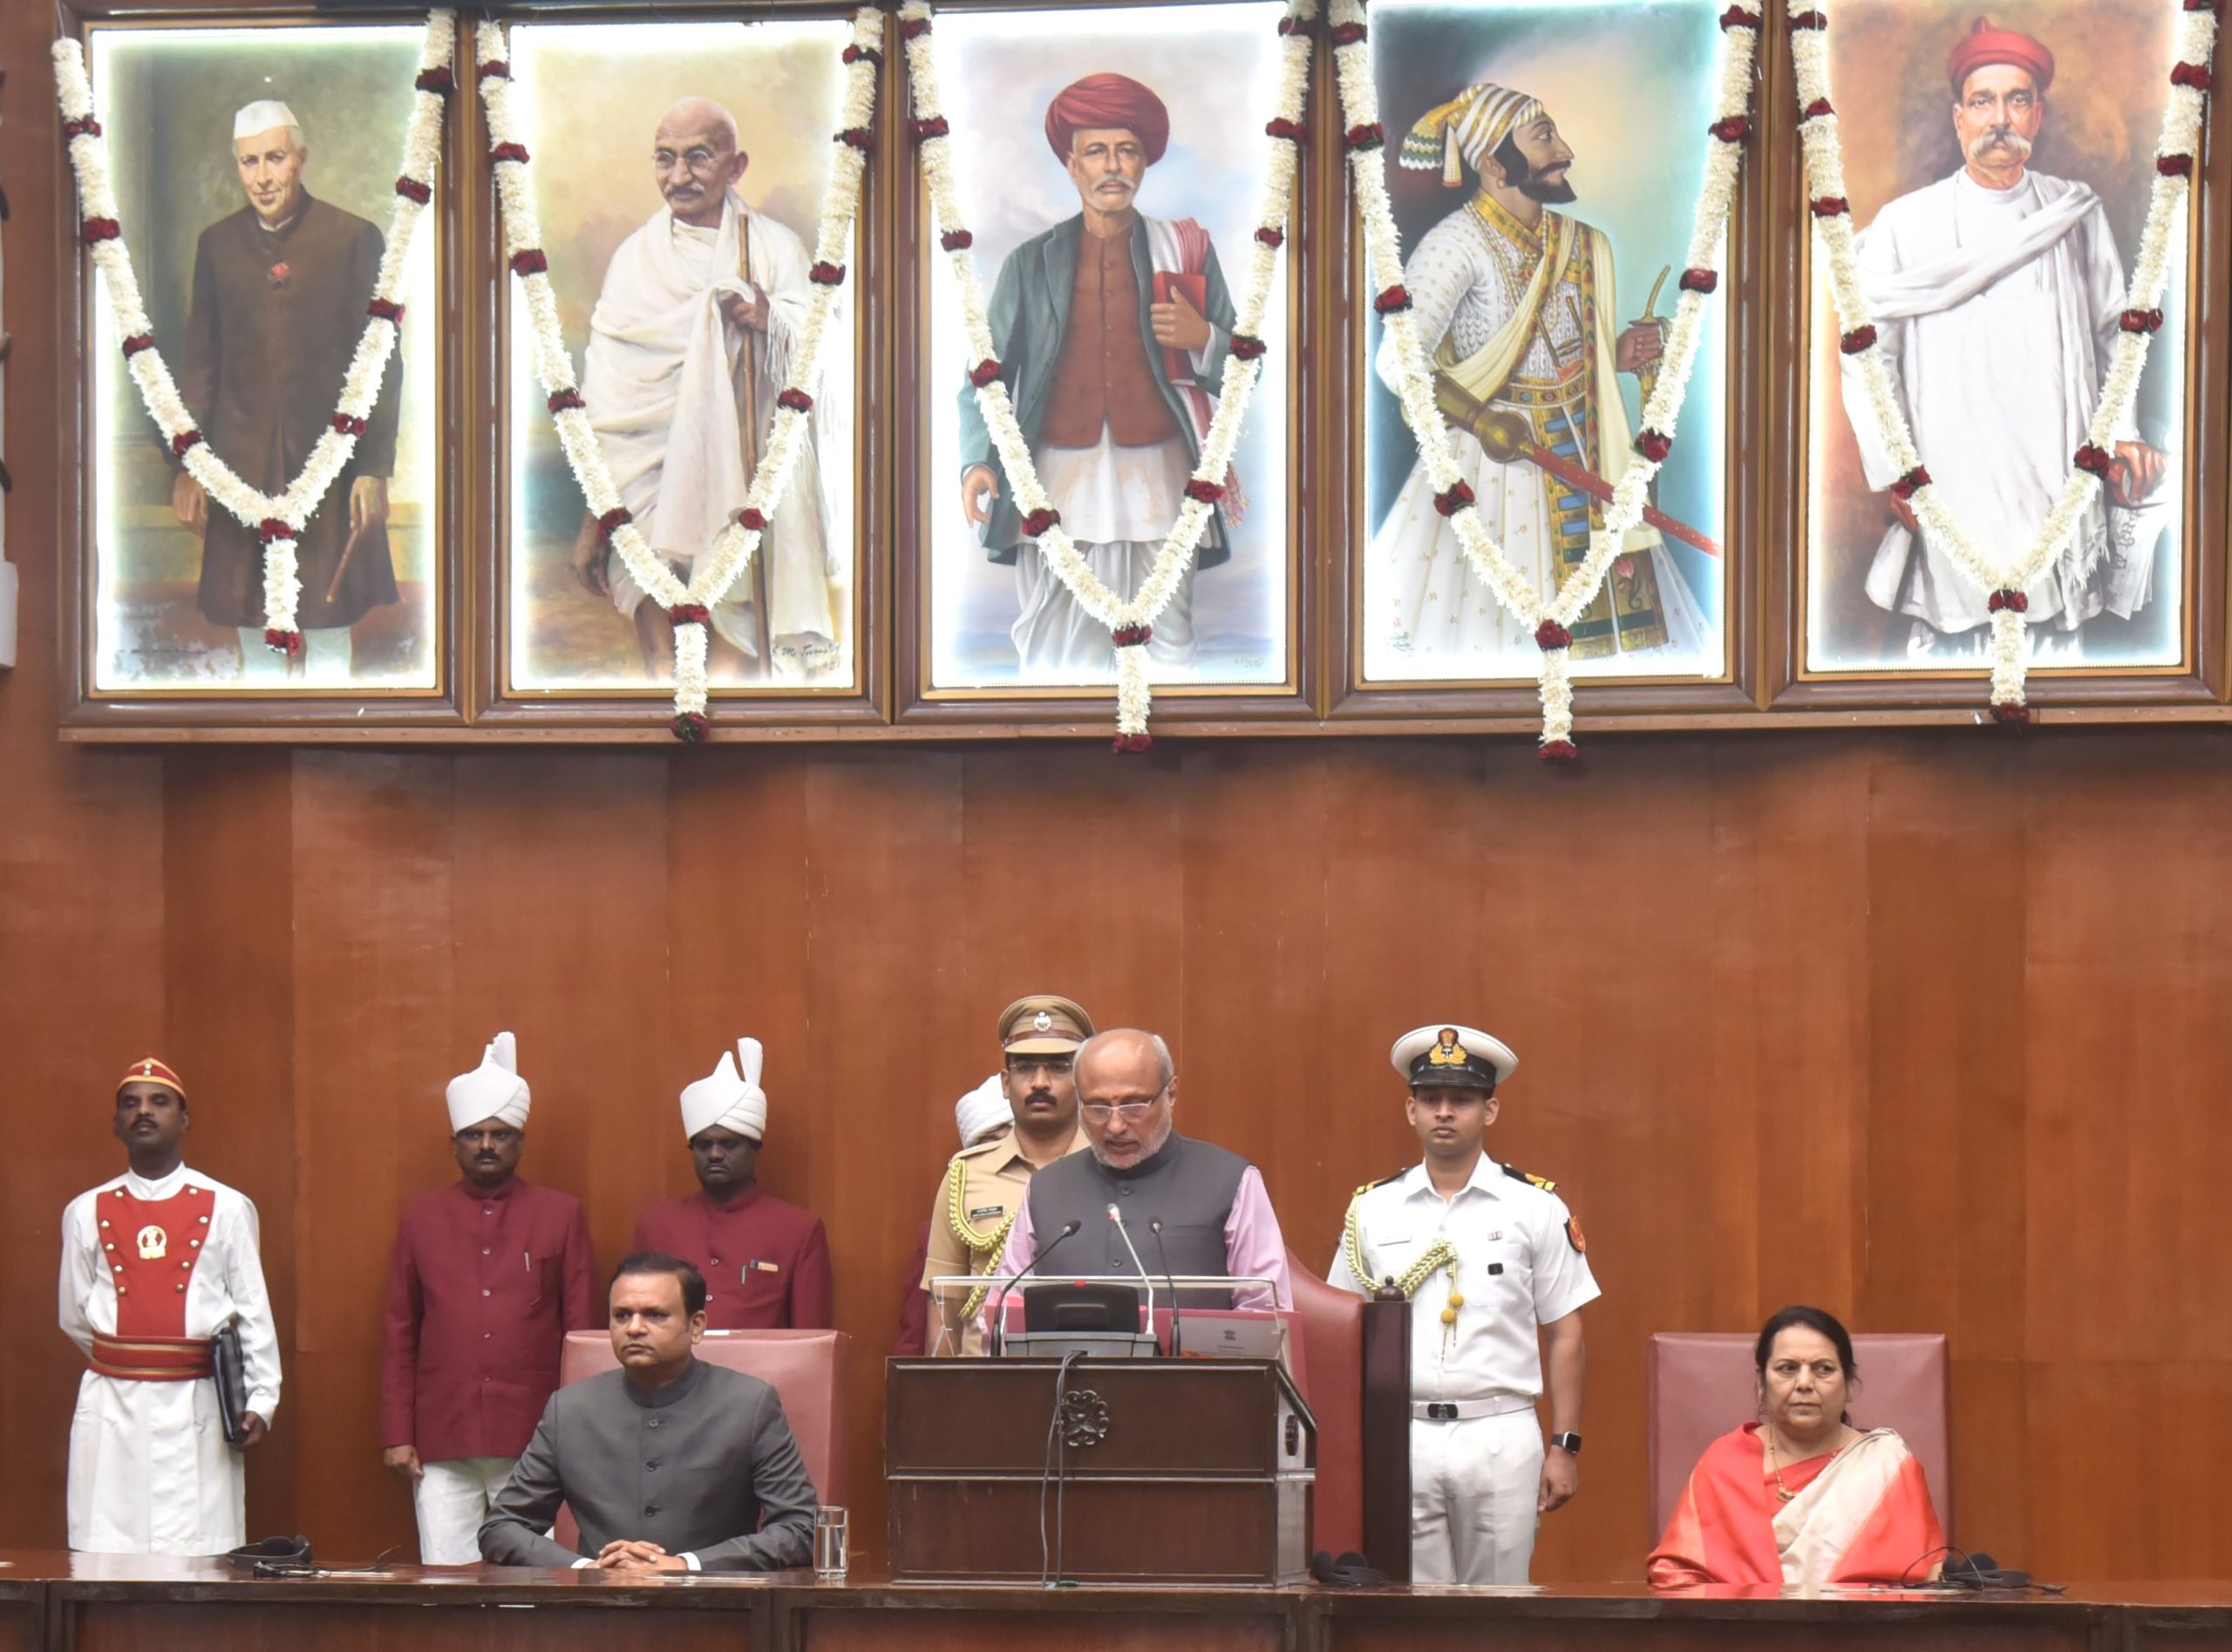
x=1995 y=310
x=665 y=379
x=1465 y=283
x=150 y=1472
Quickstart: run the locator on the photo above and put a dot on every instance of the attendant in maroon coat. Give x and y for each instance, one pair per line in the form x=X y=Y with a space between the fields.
x=766 y=1261
x=489 y=1274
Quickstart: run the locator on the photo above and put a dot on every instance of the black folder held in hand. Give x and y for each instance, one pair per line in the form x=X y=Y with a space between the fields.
x=231 y=1381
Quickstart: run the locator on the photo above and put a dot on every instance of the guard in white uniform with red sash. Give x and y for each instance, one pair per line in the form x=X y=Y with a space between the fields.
x=152 y=1263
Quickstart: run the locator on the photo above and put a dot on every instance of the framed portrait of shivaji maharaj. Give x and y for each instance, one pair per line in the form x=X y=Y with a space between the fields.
x=679 y=174
x=254 y=171
x=1999 y=165
x=1544 y=164
x=1109 y=165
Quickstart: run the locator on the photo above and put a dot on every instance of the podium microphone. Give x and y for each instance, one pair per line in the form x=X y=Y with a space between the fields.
x=1000 y=1317
x=1154 y=1226
x=1117 y=1216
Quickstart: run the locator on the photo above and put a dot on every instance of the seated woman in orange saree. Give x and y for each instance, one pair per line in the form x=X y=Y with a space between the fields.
x=1802 y=1499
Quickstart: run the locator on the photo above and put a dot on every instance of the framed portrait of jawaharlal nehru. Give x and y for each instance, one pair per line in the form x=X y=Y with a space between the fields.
x=1110 y=164
x=255 y=171
x=1543 y=163
x=1998 y=165
x=680 y=168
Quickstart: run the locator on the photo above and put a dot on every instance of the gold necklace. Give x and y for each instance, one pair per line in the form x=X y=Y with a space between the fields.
x=1775 y=1467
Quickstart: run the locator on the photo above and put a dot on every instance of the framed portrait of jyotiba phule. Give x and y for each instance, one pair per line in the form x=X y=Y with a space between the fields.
x=1999 y=168
x=678 y=175
x=1109 y=164
x=255 y=171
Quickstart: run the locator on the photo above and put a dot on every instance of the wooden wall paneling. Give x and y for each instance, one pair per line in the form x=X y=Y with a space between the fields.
x=561 y=895
x=886 y=927
x=1789 y=874
x=1095 y=909
x=736 y=869
x=2126 y=1153
x=1947 y=896
x=374 y=1046
x=1257 y=1077
x=229 y=956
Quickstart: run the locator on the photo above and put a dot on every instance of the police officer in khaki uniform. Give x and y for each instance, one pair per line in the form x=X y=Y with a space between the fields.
x=1496 y=1270
x=983 y=1185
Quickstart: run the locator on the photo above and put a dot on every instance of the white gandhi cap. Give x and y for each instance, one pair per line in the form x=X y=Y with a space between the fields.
x=267 y=115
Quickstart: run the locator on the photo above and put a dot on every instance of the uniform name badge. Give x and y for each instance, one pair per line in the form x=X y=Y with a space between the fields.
x=750 y=1269
x=983 y=1211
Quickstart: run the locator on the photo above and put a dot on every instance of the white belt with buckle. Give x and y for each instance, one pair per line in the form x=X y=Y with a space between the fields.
x=1464 y=1411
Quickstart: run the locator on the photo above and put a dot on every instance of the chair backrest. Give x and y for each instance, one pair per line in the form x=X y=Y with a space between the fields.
x=1332 y=1372
x=1703 y=1383
x=806 y=1369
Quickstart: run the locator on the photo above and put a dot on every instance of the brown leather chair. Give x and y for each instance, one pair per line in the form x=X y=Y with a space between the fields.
x=1703 y=1383
x=806 y=1369
x=1332 y=1375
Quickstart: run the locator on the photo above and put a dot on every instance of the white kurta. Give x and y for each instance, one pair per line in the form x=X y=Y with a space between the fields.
x=1465 y=289
x=667 y=379
x=1995 y=310
x=150 y=1472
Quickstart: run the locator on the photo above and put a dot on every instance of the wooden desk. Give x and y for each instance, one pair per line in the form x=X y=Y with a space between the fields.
x=95 y=1603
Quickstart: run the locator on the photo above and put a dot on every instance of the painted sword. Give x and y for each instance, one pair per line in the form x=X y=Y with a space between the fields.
x=1505 y=436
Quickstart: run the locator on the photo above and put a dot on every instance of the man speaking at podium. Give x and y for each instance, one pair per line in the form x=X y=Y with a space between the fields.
x=1187 y=1206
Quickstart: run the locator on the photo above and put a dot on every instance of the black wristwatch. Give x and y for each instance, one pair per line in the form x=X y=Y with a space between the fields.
x=1569 y=1444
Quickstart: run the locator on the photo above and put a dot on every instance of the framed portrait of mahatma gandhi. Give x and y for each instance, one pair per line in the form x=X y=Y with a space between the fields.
x=1543 y=225
x=1998 y=169
x=1111 y=187
x=679 y=169
x=255 y=171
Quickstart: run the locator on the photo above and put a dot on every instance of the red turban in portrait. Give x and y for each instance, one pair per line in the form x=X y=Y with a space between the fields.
x=1986 y=44
x=1106 y=103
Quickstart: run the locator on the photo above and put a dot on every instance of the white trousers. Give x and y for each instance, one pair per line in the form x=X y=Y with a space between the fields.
x=452 y=1500
x=1472 y=1489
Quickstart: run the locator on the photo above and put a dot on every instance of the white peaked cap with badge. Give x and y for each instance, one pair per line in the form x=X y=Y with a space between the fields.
x=983 y=1112
x=1444 y=1053
x=267 y=115
x=728 y=1097
x=493 y=1090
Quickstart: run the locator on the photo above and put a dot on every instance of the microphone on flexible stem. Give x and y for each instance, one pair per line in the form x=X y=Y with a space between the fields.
x=1000 y=1315
x=1154 y=1226
x=1117 y=1216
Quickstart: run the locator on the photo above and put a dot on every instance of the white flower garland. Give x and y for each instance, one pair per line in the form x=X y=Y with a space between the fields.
x=688 y=606
x=1552 y=618
x=1130 y=623
x=277 y=519
x=2008 y=581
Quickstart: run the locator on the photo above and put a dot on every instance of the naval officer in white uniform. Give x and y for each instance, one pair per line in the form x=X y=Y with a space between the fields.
x=1496 y=1269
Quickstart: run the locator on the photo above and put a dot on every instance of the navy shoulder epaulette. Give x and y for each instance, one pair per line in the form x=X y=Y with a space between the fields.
x=1543 y=1182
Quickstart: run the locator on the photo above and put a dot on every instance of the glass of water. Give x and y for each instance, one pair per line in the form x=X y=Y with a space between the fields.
x=829 y=1535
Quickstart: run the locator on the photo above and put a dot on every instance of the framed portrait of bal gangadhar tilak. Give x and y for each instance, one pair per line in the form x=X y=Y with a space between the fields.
x=679 y=173
x=255 y=171
x=1998 y=167
x=1110 y=165
x=1544 y=163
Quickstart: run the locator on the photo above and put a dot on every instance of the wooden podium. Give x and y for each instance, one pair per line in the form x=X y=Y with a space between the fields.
x=1162 y=1470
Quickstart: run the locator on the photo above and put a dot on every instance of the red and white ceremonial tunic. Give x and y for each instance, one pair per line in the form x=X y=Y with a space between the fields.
x=150 y=1270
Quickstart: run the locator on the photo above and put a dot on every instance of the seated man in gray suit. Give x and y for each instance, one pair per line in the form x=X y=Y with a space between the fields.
x=668 y=1465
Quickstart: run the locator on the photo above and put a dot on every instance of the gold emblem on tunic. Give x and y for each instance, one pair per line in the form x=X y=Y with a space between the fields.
x=154 y=1243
